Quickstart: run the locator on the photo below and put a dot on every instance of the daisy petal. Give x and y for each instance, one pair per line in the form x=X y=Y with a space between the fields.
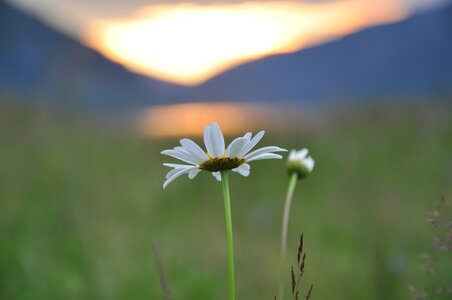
x=265 y=156
x=252 y=143
x=177 y=174
x=217 y=175
x=230 y=145
x=248 y=135
x=172 y=172
x=301 y=154
x=177 y=166
x=217 y=140
x=192 y=174
x=309 y=162
x=243 y=170
x=208 y=140
x=193 y=148
x=236 y=146
x=184 y=156
x=263 y=150
x=179 y=148
x=292 y=154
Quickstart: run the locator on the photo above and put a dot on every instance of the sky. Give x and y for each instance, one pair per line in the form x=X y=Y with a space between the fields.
x=189 y=42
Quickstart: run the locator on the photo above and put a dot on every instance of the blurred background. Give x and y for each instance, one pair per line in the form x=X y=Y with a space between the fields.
x=92 y=91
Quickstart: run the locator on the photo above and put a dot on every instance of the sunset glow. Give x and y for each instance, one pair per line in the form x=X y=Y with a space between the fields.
x=190 y=119
x=189 y=43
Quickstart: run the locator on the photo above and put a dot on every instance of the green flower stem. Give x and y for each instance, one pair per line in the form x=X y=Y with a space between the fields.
x=227 y=208
x=290 y=190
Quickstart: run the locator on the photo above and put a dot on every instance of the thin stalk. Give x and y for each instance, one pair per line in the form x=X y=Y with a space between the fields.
x=163 y=281
x=290 y=190
x=227 y=208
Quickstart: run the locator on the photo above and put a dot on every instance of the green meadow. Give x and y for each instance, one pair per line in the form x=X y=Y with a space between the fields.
x=81 y=204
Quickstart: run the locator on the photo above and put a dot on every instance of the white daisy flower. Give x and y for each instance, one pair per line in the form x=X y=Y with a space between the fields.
x=217 y=158
x=299 y=162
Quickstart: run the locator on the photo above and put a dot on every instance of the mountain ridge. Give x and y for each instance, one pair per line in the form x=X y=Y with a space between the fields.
x=39 y=63
x=409 y=58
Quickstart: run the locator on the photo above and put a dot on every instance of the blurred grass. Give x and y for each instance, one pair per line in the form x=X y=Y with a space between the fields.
x=80 y=206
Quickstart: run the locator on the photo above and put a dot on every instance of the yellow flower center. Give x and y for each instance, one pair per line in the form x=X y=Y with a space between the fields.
x=221 y=164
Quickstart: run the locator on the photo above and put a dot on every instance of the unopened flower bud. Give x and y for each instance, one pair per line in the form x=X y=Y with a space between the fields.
x=300 y=163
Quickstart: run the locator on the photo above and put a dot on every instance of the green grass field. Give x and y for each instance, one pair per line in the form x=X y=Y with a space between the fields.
x=80 y=207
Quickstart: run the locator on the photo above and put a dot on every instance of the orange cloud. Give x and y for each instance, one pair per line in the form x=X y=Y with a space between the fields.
x=190 y=43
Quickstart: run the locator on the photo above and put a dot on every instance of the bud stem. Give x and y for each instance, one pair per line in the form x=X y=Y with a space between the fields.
x=290 y=190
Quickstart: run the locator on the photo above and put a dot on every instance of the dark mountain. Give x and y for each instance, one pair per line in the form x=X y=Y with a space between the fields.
x=411 y=58
x=41 y=65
